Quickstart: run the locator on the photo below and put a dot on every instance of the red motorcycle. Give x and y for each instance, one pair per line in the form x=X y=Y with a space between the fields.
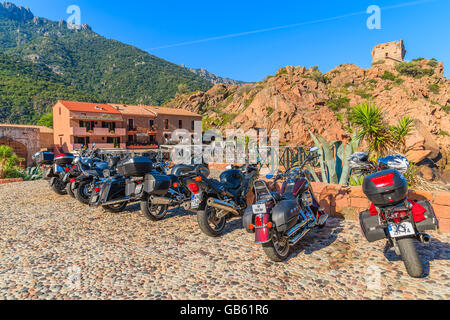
x=279 y=221
x=392 y=215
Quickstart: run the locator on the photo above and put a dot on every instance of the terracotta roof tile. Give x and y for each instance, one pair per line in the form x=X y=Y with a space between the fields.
x=42 y=129
x=89 y=107
x=133 y=110
x=172 y=111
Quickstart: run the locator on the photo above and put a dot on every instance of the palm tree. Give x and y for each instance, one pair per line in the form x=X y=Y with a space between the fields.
x=8 y=160
x=369 y=118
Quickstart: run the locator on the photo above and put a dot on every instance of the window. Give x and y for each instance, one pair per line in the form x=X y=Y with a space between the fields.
x=166 y=124
x=59 y=110
x=193 y=125
x=180 y=124
x=130 y=124
x=152 y=123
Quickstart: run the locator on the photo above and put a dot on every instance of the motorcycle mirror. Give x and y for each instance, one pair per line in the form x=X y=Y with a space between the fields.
x=314 y=149
x=269 y=176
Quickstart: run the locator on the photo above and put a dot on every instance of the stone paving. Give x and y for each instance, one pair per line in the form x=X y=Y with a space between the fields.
x=52 y=247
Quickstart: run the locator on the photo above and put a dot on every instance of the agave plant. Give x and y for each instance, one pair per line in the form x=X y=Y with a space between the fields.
x=335 y=167
x=32 y=174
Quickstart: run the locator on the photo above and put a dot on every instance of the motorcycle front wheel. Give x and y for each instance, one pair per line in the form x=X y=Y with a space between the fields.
x=154 y=212
x=277 y=249
x=410 y=257
x=83 y=193
x=69 y=190
x=59 y=187
x=209 y=223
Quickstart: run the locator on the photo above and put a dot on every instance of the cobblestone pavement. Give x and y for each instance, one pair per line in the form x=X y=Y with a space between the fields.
x=52 y=247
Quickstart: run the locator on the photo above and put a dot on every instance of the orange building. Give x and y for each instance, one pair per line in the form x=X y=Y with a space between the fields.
x=116 y=126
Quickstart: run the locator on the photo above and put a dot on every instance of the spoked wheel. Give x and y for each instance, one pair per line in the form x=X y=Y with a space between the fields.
x=83 y=192
x=59 y=187
x=209 y=223
x=278 y=248
x=154 y=212
x=115 y=208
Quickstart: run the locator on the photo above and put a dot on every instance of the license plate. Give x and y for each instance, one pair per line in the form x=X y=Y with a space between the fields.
x=94 y=199
x=401 y=229
x=259 y=208
x=139 y=188
x=196 y=200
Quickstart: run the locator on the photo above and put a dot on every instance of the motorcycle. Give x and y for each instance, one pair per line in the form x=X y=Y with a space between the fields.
x=54 y=168
x=156 y=207
x=133 y=179
x=279 y=221
x=392 y=215
x=217 y=201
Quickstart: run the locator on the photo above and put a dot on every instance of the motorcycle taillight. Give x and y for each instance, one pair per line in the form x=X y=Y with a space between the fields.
x=384 y=181
x=97 y=189
x=72 y=180
x=194 y=188
x=258 y=221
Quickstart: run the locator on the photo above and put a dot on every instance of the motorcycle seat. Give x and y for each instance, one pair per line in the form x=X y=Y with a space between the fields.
x=288 y=196
x=269 y=196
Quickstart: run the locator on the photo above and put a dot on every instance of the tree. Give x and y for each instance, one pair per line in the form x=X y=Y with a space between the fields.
x=401 y=131
x=46 y=120
x=8 y=161
x=374 y=129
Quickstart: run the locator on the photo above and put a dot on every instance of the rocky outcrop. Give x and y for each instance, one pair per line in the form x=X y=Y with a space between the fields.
x=213 y=78
x=11 y=11
x=297 y=100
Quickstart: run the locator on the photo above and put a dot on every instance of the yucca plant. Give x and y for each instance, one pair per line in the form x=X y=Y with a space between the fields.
x=369 y=119
x=401 y=131
x=32 y=174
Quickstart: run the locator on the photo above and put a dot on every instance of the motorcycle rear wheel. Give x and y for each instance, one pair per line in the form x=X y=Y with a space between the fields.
x=115 y=208
x=154 y=212
x=277 y=251
x=81 y=193
x=207 y=217
x=59 y=187
x=410 y=257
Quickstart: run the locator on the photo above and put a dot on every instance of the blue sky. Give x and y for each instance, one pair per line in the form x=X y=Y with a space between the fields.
x=423 y=25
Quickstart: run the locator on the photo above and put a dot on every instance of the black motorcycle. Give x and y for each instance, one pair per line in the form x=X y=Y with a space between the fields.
x=217 y=201
x=134 y=179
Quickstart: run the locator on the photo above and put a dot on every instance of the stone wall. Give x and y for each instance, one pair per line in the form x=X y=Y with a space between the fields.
x=348 y=202
x=4 y=181
x=24 y=140
x=389 y=52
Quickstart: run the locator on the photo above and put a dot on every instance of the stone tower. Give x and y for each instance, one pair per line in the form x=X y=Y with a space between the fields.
x=390 y=52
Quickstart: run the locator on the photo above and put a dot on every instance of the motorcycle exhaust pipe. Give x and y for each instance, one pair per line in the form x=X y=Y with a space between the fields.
x=112 y=202
x=160 y=200
x=424 y=238
x=221 y=205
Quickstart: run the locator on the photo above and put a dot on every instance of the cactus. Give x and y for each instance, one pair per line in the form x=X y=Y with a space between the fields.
x=335 y=168
x=32 y=174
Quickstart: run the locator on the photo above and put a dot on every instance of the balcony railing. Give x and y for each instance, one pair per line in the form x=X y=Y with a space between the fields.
x=101 y=146
x=104 y=132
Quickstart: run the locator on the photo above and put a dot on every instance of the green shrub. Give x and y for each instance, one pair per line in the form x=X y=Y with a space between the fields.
x=418 y=59
x=378 y=62
x=434 y=88
x=444 y=133
x=363 y=94
x=387 y=75
x=432 y=63
x=338 y=103
x=409 y=69
x=270 y=110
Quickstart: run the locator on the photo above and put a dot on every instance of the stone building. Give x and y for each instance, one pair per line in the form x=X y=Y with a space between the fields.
x=26 y=140
x=390 y=52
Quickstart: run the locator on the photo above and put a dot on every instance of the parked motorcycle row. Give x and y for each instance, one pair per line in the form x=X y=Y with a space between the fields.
x=278 y=220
